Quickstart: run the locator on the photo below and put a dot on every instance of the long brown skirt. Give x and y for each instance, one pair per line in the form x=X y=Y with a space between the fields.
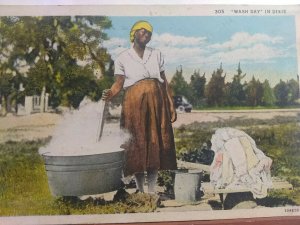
x=146 y=115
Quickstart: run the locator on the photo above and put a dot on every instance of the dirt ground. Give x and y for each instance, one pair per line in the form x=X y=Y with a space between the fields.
x=30 y=127
x=216 y=115
x=42 y=125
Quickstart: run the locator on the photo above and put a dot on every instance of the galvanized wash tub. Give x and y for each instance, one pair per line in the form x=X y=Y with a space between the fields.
x=84 y=174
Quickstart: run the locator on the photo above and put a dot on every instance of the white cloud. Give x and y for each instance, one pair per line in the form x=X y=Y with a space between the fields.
x=192 y=51
x=243 y=39
x=179 y=50
x=115 y=46
x=115 y=43
x=257 y=53
x=167 y=39
x=181 y=56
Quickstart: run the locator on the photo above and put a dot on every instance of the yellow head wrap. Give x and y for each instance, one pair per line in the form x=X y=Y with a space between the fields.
x=139 y=25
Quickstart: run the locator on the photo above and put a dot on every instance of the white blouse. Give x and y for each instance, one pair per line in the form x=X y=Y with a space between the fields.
x=130 y=65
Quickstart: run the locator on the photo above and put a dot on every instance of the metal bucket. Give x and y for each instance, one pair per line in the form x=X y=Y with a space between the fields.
x=187 y=186
x=85 y=174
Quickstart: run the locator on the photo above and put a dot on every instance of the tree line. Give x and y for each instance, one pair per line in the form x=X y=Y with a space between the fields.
x=218 y=93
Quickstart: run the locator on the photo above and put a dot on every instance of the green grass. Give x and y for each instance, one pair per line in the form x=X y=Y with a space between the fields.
x=246 y=107
x=279 y=198
x=278 y=138
x=24 y=188
x=24 y=185
x=23 y=181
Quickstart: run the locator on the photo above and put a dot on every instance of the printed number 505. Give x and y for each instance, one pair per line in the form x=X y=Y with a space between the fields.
x=219 y=11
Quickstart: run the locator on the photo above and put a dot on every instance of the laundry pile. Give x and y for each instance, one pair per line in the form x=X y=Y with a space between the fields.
x=238 y=163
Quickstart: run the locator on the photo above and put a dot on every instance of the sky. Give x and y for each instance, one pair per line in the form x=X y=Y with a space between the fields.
x=265 y=46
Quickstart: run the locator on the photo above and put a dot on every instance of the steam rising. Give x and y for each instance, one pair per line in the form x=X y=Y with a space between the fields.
x=77 y=134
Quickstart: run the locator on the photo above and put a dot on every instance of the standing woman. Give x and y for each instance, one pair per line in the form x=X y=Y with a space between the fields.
x=148 y=109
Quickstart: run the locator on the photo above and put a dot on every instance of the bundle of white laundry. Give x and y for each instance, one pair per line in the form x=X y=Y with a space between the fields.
x=238 y=163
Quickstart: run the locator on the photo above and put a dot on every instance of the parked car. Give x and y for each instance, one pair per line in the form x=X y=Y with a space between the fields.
x=182 y=104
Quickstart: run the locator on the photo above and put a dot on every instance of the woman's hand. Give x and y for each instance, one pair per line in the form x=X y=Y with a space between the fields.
x=106 y=95
x=117 y=86
x=173 y=114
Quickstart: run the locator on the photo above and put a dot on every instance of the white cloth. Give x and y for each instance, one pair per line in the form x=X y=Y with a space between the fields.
x=238 y=163
x=134 y=68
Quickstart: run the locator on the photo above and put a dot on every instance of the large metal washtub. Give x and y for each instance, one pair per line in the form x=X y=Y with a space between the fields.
x=84 y=174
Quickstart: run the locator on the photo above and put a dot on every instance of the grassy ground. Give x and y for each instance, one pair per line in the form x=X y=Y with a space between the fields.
x=23 y=181
x=24 y=188
x=278 y=138
x=297 y=106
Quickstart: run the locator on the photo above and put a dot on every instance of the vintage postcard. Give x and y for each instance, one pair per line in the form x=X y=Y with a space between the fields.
x=149 y=113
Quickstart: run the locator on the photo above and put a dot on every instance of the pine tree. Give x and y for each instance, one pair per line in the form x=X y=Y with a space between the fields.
x=268 y=94
x=236 y=90
x=254 y=92
x=281 y=91
x=178 y=84
x=293 y=90
x=215 y=89
x=197 y=87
